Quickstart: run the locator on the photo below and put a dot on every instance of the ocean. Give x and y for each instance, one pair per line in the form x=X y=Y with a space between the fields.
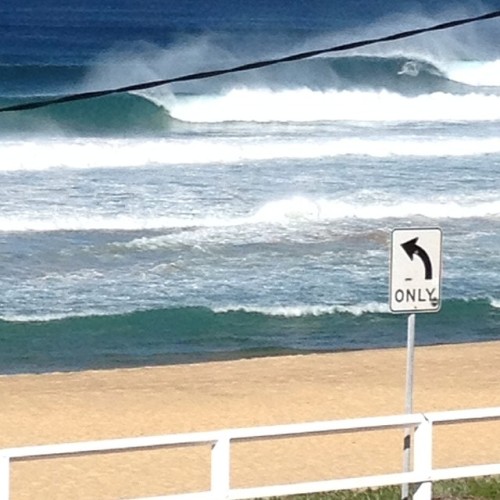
x=249 y=214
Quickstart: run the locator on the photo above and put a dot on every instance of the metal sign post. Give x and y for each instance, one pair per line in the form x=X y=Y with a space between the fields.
x=415 y=286
x=410 y=356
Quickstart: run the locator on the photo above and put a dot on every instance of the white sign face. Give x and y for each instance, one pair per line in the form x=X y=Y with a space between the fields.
x=416 y=258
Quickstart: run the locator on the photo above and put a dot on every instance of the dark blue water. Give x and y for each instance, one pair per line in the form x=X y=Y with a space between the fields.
x=58 y=32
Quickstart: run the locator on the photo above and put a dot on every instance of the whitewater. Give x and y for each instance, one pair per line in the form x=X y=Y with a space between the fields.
x=247 y=215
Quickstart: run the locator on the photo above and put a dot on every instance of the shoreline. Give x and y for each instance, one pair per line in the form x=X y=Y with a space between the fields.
x=105 y=404
x=200 y=334
x=234 y=356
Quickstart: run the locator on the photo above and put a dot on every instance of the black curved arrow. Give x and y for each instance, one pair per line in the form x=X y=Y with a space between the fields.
x=411 y=248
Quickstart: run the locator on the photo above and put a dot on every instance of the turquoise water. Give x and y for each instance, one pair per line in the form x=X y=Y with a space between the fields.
x=245 y=215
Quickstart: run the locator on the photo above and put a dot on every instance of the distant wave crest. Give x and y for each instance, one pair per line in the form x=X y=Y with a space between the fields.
x=356 y=88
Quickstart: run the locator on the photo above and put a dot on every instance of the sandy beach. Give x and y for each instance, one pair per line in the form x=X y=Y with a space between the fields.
x=67 y=407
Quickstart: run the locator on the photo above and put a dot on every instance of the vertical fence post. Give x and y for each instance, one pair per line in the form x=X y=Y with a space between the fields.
x=221 y=467
x=422 y=459
x=4 y=477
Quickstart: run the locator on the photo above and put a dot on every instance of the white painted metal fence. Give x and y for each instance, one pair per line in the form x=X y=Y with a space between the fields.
x=422 y=475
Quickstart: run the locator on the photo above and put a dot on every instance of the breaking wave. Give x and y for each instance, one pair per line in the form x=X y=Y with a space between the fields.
x=357 y=88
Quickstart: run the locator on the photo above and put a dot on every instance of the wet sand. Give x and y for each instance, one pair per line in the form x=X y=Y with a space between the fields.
x=68 y=407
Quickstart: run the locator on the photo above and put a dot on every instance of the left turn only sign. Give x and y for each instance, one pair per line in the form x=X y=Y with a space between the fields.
x=416 y=262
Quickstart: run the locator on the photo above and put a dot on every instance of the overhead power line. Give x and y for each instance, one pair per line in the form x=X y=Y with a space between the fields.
x=249 y=66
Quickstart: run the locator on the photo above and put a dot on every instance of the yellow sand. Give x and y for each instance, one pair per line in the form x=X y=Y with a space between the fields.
x=66 y=407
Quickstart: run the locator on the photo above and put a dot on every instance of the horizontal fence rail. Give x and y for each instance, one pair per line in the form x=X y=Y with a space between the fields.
x=422 y=474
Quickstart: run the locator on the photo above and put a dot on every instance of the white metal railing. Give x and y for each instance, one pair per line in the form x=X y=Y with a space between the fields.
x=422 y=474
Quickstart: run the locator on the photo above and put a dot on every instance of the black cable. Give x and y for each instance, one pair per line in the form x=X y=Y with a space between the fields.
x=249 y=66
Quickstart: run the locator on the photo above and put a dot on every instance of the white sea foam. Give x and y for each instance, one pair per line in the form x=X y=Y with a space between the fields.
x=305 y=208
x=283 y=311
x=307 y=105
x=474 y=72
x=94 y=223
x=92 y=153
x=308 y=310
x=495 y=303
x=280 y=212
x=56 y=316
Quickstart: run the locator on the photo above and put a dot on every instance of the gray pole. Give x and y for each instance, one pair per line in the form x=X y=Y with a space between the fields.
x=410 y=356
